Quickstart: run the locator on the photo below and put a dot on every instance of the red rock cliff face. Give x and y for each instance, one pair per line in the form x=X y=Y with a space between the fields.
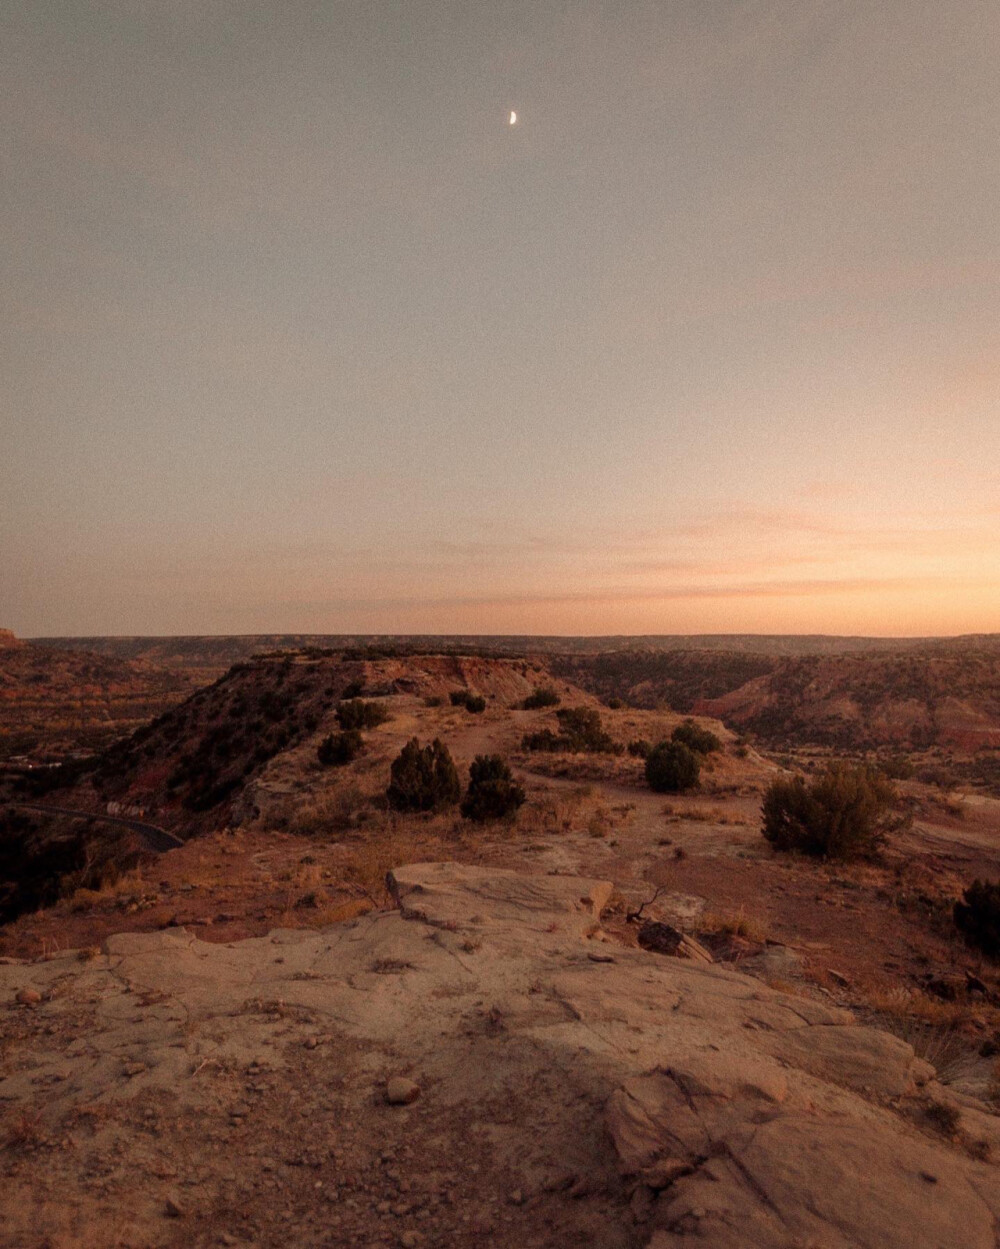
x=8 y=641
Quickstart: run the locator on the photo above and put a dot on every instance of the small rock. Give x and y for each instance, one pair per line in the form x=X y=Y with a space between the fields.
x=411 y=1240
x=838 y=977
x=399 y=1091
x=517 y=1197
x=928 y=1177
x=949 y=986
x=133 y=1069
x=173 y=1208
x=29 y=996
x=600 y=956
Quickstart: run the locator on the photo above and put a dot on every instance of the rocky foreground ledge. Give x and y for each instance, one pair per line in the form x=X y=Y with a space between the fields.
x=474 y=1068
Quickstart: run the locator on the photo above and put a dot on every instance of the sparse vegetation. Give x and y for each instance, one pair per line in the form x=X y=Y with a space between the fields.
x=672 y=767
x=423 y=778
x=358 y=714
x=43 y=858
x=640 y=748
x=580 y=730
x=701 y=741
x=319 y=815
x=493 y=793
x=541 y=696
x=977 y=917
x=468 y=699
x=845 y=812
x=339 y=748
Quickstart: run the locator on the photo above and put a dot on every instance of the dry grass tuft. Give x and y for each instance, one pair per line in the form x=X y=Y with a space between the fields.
x=128 y=891
x=935 y=1029
x=701 y=815
x=333 y=811
x=740 y=923
x=554 y=813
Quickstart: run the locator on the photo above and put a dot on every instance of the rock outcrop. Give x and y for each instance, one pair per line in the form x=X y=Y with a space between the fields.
x=569 y=1092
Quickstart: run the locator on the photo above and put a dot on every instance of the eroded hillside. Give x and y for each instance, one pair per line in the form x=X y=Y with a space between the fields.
x=942 y=695
x=53 y=700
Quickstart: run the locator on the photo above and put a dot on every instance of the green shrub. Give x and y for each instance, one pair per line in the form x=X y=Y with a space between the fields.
x=354 y=689
x=694 y=737
x=845 y=812
x=458 y=697
x=977 y=916
x=358 y=714
x=541 y=696
x=339 y=748
x=493 y=792
x=423 y=778
x=433 y=700
x=640 y=748
x=672 y=767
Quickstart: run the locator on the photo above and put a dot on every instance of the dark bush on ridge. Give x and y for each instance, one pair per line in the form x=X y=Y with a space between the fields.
x=845 y=812
x=640 y=748
x=354 y=690
x=694 y=737
x=423 y=778
x=672 y=767
x=358 y=714
x=493 y=792
x=542 y=696
x=340 y=748
x=977 y=917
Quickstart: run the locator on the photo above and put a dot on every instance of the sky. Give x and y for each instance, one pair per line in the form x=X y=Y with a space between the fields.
x=299 y=334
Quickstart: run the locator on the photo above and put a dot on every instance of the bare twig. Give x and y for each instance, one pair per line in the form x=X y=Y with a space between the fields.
x=632 y=917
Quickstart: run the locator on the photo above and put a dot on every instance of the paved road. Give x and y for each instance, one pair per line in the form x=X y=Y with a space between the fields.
x=153 y=837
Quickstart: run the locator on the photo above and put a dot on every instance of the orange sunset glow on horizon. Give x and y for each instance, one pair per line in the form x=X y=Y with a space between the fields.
x=548 y=320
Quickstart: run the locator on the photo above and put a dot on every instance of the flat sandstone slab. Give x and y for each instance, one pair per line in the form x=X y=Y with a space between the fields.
x=165 y=1082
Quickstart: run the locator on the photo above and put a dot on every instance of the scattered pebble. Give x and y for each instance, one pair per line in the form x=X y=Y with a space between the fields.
x=399 y=1091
